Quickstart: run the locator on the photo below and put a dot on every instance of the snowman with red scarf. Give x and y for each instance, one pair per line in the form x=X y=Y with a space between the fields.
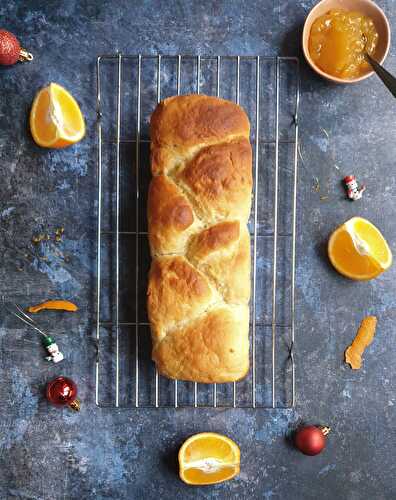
x=353 y=190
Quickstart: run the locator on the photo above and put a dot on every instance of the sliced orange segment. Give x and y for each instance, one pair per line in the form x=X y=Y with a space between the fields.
x=56 y=120
x=208 y=458
x=358 y=250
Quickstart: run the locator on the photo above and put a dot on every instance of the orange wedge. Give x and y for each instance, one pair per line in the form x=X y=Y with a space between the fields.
x=56 y=120
x=208 y=458
x=358 y=250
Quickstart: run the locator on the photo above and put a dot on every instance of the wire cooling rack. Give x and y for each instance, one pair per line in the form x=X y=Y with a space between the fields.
x=128 y=89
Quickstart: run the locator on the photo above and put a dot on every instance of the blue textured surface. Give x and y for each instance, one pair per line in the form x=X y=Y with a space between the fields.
x=48 y=453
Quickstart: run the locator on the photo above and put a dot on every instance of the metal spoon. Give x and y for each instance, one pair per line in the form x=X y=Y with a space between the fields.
x=387 y=78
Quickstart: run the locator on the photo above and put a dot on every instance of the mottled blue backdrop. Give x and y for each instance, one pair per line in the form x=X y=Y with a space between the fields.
x=47 y=453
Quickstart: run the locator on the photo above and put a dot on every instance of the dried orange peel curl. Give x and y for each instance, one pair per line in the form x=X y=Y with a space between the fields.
x=364 y=337
x=60 y=305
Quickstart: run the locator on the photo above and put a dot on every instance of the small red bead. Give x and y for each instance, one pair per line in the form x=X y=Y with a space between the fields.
x=61 y=391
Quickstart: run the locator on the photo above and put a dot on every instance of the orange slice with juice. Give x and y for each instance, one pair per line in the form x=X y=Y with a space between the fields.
x=56 y=120
x=208 y=458
x=358 y=250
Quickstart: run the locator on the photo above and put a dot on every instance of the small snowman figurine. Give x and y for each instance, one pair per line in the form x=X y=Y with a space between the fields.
x=354 y=192
x=54 y=353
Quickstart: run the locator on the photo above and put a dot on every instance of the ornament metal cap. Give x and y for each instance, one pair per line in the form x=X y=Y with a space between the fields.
x=24 y=55
x=75 y=405
x=325 y=429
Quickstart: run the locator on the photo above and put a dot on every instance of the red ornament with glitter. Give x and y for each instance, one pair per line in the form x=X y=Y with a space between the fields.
x=11 y=50
x=311 y=440
x=62 y=391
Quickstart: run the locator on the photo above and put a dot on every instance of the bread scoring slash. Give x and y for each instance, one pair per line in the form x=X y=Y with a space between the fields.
x=198 y=208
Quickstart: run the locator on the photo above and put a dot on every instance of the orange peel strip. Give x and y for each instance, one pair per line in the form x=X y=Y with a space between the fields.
x=364 y=337
x=60 y=305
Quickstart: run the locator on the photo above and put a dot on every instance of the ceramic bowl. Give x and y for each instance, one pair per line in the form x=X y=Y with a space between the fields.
x=367 y=7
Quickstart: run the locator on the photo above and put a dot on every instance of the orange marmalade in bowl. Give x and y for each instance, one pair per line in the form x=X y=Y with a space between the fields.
x=338 y=40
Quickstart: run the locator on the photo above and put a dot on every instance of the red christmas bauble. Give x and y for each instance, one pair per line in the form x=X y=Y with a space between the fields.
x=311 y=440
x=9 y=48
x=61 y=391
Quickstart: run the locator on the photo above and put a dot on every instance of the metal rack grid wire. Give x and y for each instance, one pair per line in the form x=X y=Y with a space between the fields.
x=124 y=374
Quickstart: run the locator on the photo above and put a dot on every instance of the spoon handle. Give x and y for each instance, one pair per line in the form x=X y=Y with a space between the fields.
x=388 y=79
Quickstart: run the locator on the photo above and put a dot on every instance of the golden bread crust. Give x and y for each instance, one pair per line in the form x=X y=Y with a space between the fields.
x=181 y=123
x=222 y=253
x=220 y=179
x=212 y=348
x=198 y=207
x=177 y=291
x=170 y=217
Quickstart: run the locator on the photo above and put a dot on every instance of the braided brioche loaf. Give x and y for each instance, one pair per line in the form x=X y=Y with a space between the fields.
x=198 y=207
